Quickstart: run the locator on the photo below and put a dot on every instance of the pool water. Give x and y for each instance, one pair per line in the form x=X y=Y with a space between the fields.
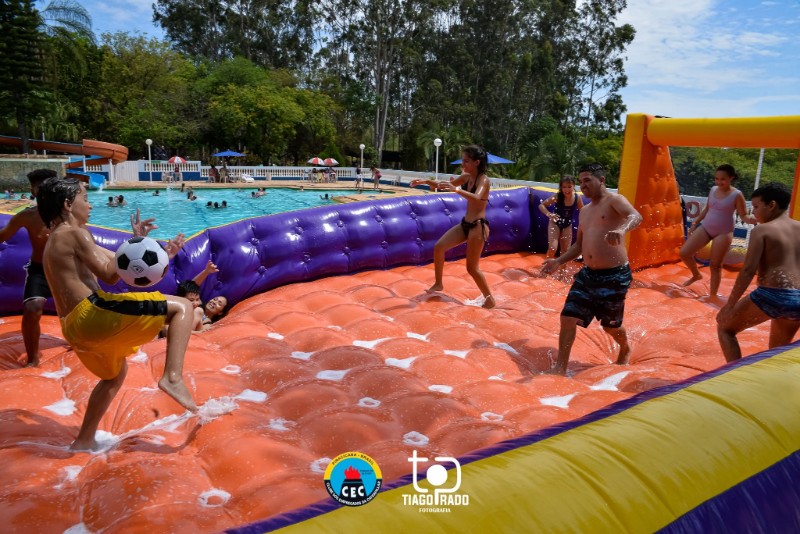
x=174 y=213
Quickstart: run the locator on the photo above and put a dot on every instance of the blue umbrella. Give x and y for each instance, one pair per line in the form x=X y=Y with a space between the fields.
x=491 y=158
x=227 y=153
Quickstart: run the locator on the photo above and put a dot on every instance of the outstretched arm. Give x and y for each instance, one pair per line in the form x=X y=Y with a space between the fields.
x=552 y=264
x=11 y=228
x=210 y=268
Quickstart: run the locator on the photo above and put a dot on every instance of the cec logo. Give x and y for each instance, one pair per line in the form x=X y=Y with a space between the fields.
x=445 y=485
x=353 y=478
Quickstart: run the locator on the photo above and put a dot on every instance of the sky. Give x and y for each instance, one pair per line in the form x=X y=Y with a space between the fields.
x=690 y=58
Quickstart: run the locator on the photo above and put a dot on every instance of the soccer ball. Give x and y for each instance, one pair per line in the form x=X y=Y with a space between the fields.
x=141 y=262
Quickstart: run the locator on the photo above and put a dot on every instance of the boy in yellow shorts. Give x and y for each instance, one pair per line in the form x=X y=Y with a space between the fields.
x=104 y=328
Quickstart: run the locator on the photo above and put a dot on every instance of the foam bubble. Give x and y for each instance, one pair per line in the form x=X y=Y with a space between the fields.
x=318 y=466
x=558 y=402
x=214 y=408
x=274 y=335
x=441 y=388
x=415 y=439
x=80 y=528
x=490 y=416
x=70 y=474
x=506 y=347
x=414 y=335
x=63 y=407
x=369 y=402
x=497 y=377
x=231 y=370
x=251 y=396
x=457 y=353
x=402 y=364
x=476 y=302
x=302 y=355
x=610 y=383
x=332 y=374
x=335 y=327
x=139 y=357
x=61 y=373
x=213 y=498
x=280 y=424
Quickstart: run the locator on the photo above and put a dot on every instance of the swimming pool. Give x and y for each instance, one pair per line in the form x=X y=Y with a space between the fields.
x=174 y=213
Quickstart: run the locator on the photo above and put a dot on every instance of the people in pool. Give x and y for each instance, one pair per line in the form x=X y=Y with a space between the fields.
x=474 y=186
x=559 y=228
x=715 y=224
x=773 y=253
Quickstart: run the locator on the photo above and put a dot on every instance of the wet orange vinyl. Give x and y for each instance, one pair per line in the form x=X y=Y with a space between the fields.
x=296 y=376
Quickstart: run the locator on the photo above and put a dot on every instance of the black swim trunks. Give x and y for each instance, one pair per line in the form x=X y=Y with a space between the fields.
x=599 y=293
x=467 y=226
x=36 y=286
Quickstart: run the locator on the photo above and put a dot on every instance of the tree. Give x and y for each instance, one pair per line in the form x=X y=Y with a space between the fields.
x=21 y=69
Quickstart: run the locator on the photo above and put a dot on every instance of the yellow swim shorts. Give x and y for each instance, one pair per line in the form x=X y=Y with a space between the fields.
x=105 y=328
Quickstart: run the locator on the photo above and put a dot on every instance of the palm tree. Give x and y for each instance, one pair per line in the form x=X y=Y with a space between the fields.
x=552 y=156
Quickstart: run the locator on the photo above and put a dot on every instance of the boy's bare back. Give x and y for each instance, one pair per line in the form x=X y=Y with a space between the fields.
x=779 y=264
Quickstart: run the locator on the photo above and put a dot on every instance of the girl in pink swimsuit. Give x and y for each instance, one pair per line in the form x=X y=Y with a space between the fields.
x=717 y=226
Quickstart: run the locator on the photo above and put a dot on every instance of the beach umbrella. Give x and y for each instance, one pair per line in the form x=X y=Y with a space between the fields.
x=330 y=162
x=316 y=161
x=491 y=159
x=227 y=154
x=176 y=159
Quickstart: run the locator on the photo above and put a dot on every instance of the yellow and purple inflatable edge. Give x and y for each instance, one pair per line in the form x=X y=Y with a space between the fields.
x=715 y=453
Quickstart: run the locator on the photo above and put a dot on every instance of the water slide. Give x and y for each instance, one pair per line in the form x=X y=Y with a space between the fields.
x=104 y=152
x=98 y=152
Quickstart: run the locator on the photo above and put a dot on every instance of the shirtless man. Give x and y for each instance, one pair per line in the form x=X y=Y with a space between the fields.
x=774 y=254
x=600 y=287
x=104 y=328
x=36 y=289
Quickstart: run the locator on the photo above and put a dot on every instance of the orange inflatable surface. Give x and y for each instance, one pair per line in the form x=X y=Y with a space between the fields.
x=296 y=376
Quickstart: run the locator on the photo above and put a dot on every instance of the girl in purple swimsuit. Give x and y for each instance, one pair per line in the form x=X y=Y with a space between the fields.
x=715 y=224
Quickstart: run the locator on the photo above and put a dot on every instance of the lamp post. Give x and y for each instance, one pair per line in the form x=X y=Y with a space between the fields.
x=362 y=146
x=149 y=157
x=437 y=143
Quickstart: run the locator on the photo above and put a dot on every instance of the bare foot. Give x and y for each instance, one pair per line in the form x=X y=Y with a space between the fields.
x=177 y=390
x=85 y=445
x=489 y=303
x=434 y=288
x=692 y=280
x=624 y=355
x=34 y=362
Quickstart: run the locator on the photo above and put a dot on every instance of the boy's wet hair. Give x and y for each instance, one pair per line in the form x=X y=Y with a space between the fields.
x=187 y=287
x=773 y=191
x=40 y=175
x=53 y=192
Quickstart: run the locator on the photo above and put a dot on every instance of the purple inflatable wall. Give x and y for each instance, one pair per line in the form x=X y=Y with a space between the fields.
x=256 y=255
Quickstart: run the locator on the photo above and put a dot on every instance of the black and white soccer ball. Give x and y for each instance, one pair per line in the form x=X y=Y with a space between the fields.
x=141 y=261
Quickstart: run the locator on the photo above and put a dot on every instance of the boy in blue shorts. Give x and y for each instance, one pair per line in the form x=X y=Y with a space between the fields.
x=774 y=254
x=105 y=328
